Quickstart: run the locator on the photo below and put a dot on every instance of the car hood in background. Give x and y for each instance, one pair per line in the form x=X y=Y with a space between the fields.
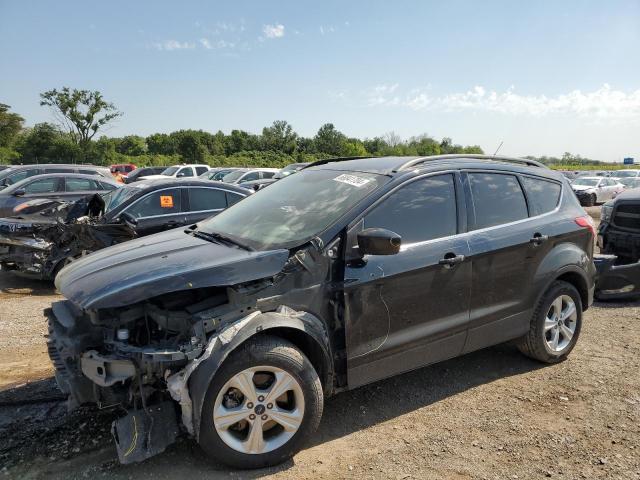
x=166 y=262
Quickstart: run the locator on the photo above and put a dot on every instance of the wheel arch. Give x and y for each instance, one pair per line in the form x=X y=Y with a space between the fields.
x=306 y=331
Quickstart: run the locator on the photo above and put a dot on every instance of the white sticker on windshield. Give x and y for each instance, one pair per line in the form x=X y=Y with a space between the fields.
x=352 y=180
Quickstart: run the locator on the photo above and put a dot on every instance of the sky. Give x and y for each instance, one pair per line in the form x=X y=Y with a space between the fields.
x=543 y=77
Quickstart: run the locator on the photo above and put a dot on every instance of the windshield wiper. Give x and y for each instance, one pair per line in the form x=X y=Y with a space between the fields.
x=220 y=238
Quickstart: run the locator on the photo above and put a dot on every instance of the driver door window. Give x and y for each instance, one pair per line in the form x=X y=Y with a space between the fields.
x=185 y=172
x=422 y=210
x=45 y=185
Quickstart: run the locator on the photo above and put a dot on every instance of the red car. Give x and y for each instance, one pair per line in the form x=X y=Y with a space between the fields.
x=122 y=170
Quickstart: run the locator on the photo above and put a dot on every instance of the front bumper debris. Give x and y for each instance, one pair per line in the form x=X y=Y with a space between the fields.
x=143 y=433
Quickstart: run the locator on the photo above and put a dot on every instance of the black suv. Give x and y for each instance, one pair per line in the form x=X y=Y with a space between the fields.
x=352 y=270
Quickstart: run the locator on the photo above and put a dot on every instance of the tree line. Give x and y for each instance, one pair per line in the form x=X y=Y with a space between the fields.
x=82 y=115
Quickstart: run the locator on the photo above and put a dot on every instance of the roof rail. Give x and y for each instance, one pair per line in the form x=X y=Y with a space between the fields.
x=336 y=159
x=454 y=156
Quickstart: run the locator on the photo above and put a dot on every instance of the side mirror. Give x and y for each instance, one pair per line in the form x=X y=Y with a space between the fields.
x=130 y=219
x=179 y=175
x=19 y=192
x=378 y=241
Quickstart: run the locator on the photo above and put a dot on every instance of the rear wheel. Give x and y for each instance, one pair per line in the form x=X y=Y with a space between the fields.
x=261 y=406
x=555 y=324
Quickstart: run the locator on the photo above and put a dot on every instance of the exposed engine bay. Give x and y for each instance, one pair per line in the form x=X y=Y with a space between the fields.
x=47 y=234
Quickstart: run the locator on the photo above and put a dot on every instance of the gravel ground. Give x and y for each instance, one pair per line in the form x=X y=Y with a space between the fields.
x=491 y=414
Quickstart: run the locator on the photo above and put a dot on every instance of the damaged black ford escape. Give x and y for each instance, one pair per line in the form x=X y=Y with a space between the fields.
x=353 y=270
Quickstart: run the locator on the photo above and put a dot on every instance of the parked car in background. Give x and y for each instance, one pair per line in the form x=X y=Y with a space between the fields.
x=56 y=186
x=628 y=173
x=285 y=172
x=592 y=190
x=595 y=173
x=179 y=171
x=122 y=168
x=14 y=174
x=242 y=175
x=140 y=172
x=43 y=237
x=318 y=284
x=217 y=174
x=4 y=167
x=630 y=182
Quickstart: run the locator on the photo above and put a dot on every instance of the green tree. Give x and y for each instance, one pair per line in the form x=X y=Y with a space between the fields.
x=279 y=137
x=133 y=145
x=81 y=112
x=10 y=126
x=329 y=140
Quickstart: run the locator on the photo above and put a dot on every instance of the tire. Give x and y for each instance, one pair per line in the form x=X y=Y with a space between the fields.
x=538 y=342
x=591 y=201
x=230 y=444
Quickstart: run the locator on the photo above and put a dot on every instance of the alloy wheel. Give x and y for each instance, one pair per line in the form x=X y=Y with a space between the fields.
x=259 y=410
x=560 y=323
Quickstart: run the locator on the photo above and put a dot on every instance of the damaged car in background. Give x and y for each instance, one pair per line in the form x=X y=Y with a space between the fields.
x=235 y=329
x=44 y=235
x=619 y=242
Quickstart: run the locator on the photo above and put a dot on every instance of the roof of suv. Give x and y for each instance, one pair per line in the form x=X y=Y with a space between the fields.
x=394 y=165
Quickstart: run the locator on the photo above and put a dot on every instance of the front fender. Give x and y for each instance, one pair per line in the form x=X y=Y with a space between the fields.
x=237 y=333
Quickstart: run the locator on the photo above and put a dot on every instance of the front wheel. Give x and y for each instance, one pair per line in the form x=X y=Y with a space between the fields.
x=261 y=406
x=555 y=324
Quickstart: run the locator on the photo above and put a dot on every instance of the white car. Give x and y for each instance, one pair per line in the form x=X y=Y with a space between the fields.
x=179 y=171
x=592 y=190
x=242 y=175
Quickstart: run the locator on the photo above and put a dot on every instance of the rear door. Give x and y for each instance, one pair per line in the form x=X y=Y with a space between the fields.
x=407 y=310
x=156 y=211
x=509 y=239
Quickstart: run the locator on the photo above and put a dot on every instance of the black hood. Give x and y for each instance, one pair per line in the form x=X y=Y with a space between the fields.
x=166 y=262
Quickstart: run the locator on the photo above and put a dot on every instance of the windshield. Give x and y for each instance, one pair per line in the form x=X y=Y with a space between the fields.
x=294 y=209
x=170 y=171
x=117 y=197
x=233 y=176
x=625 y=174
x=586 y=182
x=630 y=182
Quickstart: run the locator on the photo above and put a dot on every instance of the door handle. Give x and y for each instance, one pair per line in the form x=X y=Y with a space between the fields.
x=450 y=259
x=538 y=238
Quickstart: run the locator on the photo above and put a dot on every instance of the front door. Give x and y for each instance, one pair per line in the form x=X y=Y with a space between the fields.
x=407 y=310
x=156 y=212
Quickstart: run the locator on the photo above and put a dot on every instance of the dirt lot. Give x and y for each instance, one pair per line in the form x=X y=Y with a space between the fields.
x=490 y=414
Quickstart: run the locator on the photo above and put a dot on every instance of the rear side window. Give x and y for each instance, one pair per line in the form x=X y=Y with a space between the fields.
x=58 y=170
x=543 y=195
x=206 y=199
x=162 y=202
x=268 y=174
x=249 y=177
x=422 y=210
x=88 y=172
x=79 y=185
x=201 y=170
x=497 y=199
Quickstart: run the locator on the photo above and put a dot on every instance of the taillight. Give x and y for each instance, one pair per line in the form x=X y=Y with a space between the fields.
x=587 y=222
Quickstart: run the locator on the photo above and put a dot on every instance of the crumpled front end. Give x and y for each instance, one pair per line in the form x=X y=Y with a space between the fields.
x=139 y=356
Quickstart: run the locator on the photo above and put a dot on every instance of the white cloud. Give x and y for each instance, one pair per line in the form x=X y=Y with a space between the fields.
x=601 y=103
x=170 y=45
x=273 y=31
x=220 y=44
